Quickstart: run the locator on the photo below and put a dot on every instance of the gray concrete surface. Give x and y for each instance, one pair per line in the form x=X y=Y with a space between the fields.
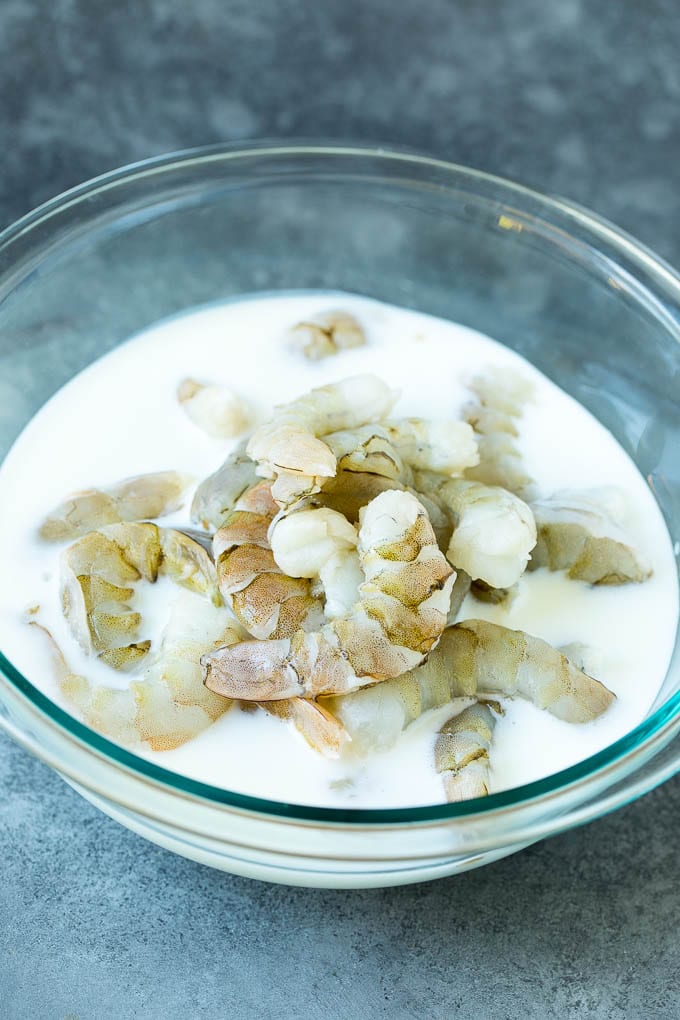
x=573 y=97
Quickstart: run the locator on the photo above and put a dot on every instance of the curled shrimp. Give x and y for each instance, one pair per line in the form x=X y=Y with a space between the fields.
x=501 y=397
x=473 y=658
x=169 y=704
x=326 y=334
x=320 y=543
x=133 y=499
x=396 y=622
x=494 y=530
x=264 y=599
x=461 y=751
x=288 y=447
x=309 y=544
x=216 y=410
x=579 y=532
x=97 y=575
x=217 y=495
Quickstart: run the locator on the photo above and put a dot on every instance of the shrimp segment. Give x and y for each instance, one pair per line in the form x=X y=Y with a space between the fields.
x=133 y=499
x=485 y=657
x=264 y=599
x=97 y=575
x=396 y=622
x=217 y=495
x=472 y=658
x=579 y=532
x=501 y=396
x=461 y=751
x=446 y=447
x=169 y=704
x=288 y=447
x=494 y=530
x=327 y=334
x=214 y=409
x=320 y=543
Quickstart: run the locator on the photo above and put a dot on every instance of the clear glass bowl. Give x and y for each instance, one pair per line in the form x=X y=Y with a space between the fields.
x=589 y=306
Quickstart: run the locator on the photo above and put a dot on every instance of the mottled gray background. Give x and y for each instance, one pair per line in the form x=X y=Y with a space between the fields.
x=575 y=97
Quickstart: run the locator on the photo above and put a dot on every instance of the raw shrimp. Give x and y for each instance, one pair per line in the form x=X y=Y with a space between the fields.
x=216 y=496
x=326 y=334
x=320 y=543
x=398 y=619
x=169 y=704
x=133 y=499
x=472 y=658
x=494 y=530
x=287 y=447
x=216 y=410
x=265 y=600
x=446 y=447
x=98 y=570
x=579 y=532
x=307 y=544
x=501 y=396
x=461 y=751
x=491 y=659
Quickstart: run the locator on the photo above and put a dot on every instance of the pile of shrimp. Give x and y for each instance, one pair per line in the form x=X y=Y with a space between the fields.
x=324 y=573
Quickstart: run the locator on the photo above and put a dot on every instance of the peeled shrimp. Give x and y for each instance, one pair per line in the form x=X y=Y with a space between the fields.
x=287 y=447
x=472 y=658
x=216 y=496
x=133 y=499
x=169 y=704
x=494 y=530
x=461 y=751
x=216 y=410
x=320 y=543
x=264 y=599
x=305 y=545
x=327 y=334
x=579 y=532
x=501 y=396
x=97 y=573
x=446 y=447
x=396 y=622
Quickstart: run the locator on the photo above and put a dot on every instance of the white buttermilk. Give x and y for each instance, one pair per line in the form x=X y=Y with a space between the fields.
x=120 y=417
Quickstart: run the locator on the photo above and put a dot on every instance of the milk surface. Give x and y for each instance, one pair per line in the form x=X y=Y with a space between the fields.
x=120 y=417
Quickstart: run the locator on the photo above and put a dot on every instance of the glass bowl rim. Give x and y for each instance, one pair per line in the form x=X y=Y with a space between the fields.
x=657 y=729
